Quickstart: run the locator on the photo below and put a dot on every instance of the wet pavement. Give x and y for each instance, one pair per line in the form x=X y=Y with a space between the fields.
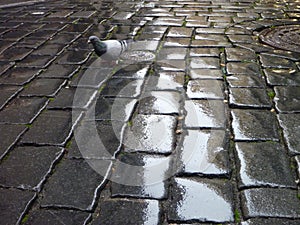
x=197 y=123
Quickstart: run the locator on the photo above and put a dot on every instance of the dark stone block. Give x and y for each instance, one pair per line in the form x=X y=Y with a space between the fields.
x=116 y=212
x=19 y=75
x=244 y=81
x=74 y=184
x=268 y=221
x=14 y=54
x=59 y=71
x=73 y=57
x=122 y=87
x=239 y=54
x=290 y=124
x=73 y=98
x=275 y=62
x=254 y=125
x=36 y=61
x=264 y=164
x=89 y=78
x=247 y=68
x=119 y=109
x=51 y=217
x=27 y=167
x=13 y=204
x=9 y=136
x=49 y=49
x=8 y=93
x=22 y=110
x=43 y=87
x=282 y=77
x=51 y=128
x=268 y=202
x=249 y=98
x=287 y=99
x=96 y=140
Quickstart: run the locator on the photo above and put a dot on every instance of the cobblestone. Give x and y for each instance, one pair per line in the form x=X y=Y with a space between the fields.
x=271 y=202
x=208 y=125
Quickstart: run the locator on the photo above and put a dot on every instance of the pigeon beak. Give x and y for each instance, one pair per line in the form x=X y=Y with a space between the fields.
x=88 y=41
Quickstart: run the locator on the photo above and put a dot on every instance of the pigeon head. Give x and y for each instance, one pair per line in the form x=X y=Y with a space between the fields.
x=99 y=46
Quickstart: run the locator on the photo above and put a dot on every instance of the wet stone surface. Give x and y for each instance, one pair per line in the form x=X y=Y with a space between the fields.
x=120 y=87
x=160 y=102
x=206 y=74
x=239 y=54
x=96 y=140
x=205 y=62
x=266 y=221
x=204 y=114
x=119 y=109
x=287 y=99
x=254 y=125
x=243 y=68
x=266 y=202
x=249 y=97
x=290 y=125
x=205 y=89
x=149 y=181
x=168 y=80
x=203 y=200
x=225 y=156
x=275 y=62
x=282 y=77
x=145 y=134
x=257 y=159
x=246 y=81
x=204 y=152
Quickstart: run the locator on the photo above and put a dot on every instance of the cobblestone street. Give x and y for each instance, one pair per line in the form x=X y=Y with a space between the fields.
x=197 y=123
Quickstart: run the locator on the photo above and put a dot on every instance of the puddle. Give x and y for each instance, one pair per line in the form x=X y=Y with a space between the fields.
x=143 y=176
x=203 y=152
x=200 y=201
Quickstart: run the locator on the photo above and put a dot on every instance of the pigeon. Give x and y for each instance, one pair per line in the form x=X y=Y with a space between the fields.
x=109 y=49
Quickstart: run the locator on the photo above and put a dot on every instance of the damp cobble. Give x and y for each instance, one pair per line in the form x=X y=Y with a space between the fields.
x=196 y=123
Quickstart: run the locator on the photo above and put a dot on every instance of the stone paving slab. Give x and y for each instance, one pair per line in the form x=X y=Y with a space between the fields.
x=49 y=217
x=212 y=113
x=267 y=202
x=27 y=167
